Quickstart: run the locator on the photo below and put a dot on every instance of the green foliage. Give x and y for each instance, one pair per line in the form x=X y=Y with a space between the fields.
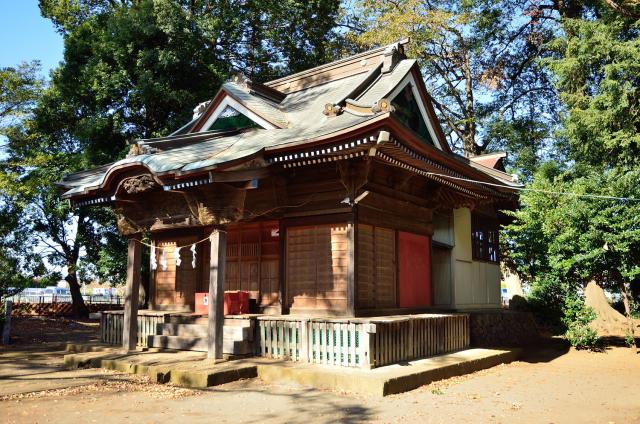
x=479 y=60
x=558 y=243
x=19 y=89
x=597 y=72
x=263 y=39
x=131 y=69
x=577 y=317
x=546 y=301
x=630 y=339
x=582 y=336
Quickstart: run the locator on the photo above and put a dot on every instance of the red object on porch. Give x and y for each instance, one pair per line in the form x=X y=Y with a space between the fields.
x=414 y=254
x=202 y=304
x=235 y=303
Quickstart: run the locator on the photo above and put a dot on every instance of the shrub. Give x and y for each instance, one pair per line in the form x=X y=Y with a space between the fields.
x=546 y=301
x=577 y=317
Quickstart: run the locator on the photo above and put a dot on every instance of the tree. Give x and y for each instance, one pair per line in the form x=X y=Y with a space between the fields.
x=136 y=69
x=573 y=240
x=19 y=89
x=597 y=72
x=263 y=39
x=480 y=64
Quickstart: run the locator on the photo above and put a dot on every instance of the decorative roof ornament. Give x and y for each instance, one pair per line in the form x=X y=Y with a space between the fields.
x=139 y=184
x=382 y=105
x=241 y=80
x=392 y=55
x=199 y=110
x=331 y=110
x=135 y=150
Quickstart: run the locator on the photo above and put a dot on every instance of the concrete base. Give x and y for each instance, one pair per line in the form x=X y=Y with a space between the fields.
x=390 y=379
x=192 y=369
x=182 y=368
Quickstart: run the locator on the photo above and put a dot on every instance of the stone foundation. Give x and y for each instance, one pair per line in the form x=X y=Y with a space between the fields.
x=502 y=328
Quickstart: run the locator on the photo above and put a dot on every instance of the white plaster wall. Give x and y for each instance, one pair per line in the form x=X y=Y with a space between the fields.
x=476 y=285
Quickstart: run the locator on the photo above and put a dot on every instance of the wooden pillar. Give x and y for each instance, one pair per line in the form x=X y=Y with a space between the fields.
x=282 y=268
x=130 y=326
x=217 y=258
x=351 y=270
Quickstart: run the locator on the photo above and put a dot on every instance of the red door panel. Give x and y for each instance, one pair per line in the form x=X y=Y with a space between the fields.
x=414 y=256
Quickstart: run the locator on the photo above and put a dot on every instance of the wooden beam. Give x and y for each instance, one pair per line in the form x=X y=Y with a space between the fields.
x=130 y=326
x=217 y=258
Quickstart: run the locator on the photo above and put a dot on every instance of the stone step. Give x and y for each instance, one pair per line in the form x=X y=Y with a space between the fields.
x=229 y=346
x=203 y=320
x=178 y=343
x=197 y=330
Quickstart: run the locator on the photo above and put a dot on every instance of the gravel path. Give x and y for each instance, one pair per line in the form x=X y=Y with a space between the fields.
x=550 y=385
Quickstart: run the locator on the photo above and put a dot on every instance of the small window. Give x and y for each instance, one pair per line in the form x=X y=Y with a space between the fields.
x=408 y=111
x=231 y=119
x=484 y=238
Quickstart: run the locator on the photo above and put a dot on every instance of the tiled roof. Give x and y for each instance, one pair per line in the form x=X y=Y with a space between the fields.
x=386 y=83
x=299 y=118
x=267 y=109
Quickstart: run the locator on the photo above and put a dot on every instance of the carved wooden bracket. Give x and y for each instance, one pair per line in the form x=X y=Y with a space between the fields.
x=354 y=176
x=138 y=184
x=127 y=227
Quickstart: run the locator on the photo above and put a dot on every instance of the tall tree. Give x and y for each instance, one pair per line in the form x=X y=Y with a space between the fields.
x=581 y=239
x=480 y=63
x=597 y=69
x=135 y=69
x=264 y=39
x=20 y=88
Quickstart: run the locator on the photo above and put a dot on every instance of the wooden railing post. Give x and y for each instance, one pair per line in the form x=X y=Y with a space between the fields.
x=304 y=340
x=367 y=346
x=218 y=241
x=130 y=326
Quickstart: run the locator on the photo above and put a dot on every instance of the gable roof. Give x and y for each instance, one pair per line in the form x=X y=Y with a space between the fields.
x=265 y=108
x=342 y=100
x=491 y=160
x=333 y=71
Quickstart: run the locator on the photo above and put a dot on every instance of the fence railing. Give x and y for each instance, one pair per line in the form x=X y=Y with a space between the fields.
x=111 y=323
x=365 y=343
x=53 y=298
x=418 y=336
x=356 y=342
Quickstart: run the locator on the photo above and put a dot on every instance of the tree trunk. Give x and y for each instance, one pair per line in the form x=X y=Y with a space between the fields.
x=627 y=311
x=80 y=310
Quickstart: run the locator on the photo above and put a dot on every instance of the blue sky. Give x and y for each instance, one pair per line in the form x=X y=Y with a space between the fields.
x=27 y=36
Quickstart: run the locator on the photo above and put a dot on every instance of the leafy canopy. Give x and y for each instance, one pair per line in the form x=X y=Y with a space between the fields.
x=479 y=61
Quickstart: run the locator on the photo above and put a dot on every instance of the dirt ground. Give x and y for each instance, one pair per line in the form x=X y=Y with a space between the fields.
x=549 y=385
